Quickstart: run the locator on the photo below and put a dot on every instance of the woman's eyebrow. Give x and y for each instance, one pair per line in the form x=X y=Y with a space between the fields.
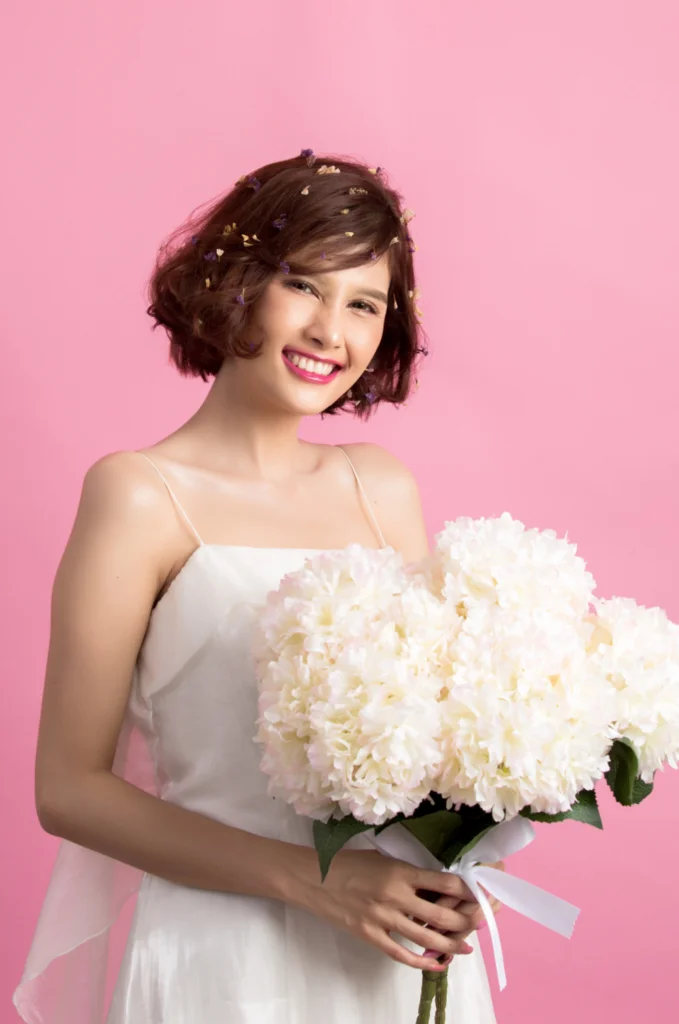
x=374 y=294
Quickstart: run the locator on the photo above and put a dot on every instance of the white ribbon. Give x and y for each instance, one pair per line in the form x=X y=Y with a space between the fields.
x=502 y=840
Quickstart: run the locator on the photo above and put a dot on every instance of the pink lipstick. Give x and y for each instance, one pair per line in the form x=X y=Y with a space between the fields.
x=313 y=378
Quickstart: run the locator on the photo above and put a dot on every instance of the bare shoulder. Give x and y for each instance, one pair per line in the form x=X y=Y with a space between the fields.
x=124 y=507
x=394 y=493
x=124 y=479
x=381 y=467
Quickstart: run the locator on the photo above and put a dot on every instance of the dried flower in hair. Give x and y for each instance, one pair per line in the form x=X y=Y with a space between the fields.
x=371 y=396
x=285 y=267
x=395 y=240
x=305 y=191
x=210 y=256
x=308 y=155
x=280 y=222
x=375 y=170
x=349 y=234
x=373 y=254
x=358 y=191
x=406 y=216
x=207 y=282
x=346 y=210
x=229 y=228
x=220 y=253
x=328 y=169
x=241 y=298
x=423 y=350
x=411 y=245
x=254 y=182
x=194 y=239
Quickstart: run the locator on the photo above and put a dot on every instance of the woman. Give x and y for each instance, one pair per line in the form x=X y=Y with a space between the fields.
x=295 y=292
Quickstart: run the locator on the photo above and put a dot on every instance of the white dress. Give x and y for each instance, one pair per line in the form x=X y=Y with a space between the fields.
x=197 y=956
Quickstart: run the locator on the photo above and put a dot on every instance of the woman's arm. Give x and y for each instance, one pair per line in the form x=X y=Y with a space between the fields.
x=113 y=566
x=109 y=575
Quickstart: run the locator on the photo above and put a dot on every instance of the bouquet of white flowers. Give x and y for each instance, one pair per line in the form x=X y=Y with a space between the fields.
x=445 y=705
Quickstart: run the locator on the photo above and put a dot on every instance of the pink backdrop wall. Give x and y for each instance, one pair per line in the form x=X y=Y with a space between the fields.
x=537 y=144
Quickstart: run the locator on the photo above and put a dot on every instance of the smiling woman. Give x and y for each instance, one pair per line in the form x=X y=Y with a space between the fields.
x=295 y=293
x=301 y=223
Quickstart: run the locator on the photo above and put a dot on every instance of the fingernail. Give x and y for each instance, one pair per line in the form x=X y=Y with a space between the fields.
x=484 y=924
x=466 y=948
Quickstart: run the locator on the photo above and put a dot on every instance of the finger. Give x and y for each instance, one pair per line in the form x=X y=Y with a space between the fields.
x=472 y=906
x=429 y=938
x=451 y=902
x=403 y=955
x=443 y=882
x=444 y=919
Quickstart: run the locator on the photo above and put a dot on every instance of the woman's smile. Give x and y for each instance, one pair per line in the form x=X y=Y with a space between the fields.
x=316 y=371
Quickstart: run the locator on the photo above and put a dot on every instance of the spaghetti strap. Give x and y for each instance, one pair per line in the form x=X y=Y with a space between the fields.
x=366 y=499
x=175 y=500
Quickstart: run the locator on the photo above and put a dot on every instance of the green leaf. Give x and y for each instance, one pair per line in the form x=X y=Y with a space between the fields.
x=585 y=809
x=471 y=844
x=475 y=823
x=331 y=836
x=435 y=830
x=623 y=771
x=641 y=791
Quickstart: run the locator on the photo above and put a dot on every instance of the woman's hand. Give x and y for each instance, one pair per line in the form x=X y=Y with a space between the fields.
x=371 y=895
x=477 y=919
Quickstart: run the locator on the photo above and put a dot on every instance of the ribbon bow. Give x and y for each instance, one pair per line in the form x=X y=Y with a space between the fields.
x=504 y=839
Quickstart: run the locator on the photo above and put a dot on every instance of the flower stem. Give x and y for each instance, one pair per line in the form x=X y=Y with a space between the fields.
x=441 y=997
x=428 y=992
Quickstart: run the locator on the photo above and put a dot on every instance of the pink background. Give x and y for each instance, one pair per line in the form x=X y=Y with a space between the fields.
x=537 y=144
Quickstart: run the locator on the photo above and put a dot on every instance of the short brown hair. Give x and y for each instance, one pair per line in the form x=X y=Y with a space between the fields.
x=303 y=215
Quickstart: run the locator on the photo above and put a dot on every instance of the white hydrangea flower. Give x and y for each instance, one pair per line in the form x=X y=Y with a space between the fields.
x=526 y=719
x=640 y=656
x=499 y=562
x=346 y=653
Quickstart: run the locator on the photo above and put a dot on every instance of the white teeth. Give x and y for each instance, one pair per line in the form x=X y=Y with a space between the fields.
x=311 y=365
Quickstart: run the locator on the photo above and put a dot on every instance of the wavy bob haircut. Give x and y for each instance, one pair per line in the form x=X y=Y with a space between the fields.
x=298 y=216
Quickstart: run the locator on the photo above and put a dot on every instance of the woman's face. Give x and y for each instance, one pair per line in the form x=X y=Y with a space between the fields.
x=319 y=332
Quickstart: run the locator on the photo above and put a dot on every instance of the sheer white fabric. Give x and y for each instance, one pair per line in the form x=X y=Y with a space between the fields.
x=195 y=956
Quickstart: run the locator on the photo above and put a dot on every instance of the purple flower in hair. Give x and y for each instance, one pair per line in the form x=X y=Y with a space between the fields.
x=253 y=182
x=307 y=153
x=373 y=254
x=194 y=239
x=280 y=222
x=285 y=267
x=210 y=256
x=371 y=396
x=241 y=300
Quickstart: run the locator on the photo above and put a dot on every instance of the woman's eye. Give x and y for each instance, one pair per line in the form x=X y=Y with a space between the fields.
x=366 y=305
x=300 y=285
